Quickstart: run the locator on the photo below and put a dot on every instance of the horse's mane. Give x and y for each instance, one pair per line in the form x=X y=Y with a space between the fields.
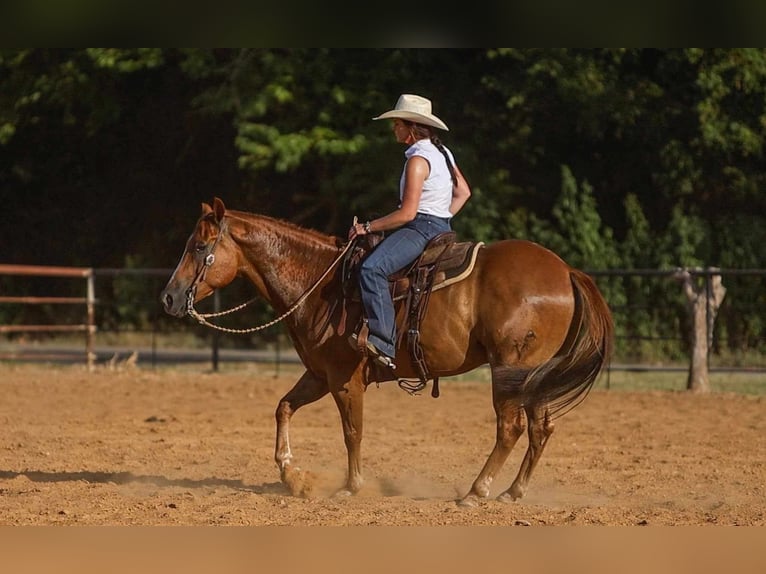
x=287 y=227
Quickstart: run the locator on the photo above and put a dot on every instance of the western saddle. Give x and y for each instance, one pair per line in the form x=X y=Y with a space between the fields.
x=443 y=262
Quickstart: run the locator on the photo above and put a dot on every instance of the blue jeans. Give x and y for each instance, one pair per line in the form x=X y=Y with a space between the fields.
x=395 y=252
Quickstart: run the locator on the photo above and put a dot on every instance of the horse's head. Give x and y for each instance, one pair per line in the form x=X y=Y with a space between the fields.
x=208 y=263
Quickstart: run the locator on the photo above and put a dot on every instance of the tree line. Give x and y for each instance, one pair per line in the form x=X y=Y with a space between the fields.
x=613 y=158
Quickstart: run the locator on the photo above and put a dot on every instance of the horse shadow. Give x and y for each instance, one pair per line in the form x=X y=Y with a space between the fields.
x=125 y=477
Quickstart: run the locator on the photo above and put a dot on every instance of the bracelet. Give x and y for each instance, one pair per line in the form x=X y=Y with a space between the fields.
x=367 y=227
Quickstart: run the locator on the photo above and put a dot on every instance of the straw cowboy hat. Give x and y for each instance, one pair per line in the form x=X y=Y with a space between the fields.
x=415 y=109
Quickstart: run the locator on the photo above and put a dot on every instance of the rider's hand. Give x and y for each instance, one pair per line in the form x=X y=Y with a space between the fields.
x=356 y=230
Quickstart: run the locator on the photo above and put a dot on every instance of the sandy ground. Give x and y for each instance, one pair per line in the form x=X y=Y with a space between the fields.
x=185 y=447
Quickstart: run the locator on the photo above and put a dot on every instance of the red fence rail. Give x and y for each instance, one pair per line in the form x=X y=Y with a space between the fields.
x=89 y=326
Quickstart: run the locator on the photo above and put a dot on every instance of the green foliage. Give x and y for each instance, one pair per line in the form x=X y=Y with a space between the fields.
x=128 y=298
x=681 y=241
x=639 y=245
x=587 y=241
x=126 y=60
x=740 y=243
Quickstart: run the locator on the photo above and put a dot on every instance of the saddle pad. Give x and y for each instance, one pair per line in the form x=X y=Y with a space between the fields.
x=454 y=266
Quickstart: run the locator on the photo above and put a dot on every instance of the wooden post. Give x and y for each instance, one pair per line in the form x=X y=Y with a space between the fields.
x=90 y=350
x=703 y=303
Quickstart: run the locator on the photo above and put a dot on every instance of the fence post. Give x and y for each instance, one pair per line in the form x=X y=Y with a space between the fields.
x=90 y=351
x=711 y=297
x=216 y=334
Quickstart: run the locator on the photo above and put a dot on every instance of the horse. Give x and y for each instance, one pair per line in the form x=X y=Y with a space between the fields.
x=542 y=326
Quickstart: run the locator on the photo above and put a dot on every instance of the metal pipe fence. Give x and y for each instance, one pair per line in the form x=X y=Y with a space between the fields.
x=122 y=301
x=89 y=301
x=737 y=338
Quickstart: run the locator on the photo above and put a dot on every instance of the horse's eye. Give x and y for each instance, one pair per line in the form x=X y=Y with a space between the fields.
x=199 y=247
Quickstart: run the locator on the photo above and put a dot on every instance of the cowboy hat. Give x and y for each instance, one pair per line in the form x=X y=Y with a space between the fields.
x=415 y=109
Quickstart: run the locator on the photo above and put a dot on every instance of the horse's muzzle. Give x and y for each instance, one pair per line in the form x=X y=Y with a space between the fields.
x=172 y=305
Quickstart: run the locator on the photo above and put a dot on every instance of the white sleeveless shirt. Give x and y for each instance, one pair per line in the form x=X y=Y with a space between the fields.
x=437 y=188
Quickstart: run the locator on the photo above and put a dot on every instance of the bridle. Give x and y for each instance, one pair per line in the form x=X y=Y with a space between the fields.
x=207 y=262
x=202 y=318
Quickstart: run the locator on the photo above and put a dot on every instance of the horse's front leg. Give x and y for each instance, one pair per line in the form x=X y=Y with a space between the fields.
x=308 y=389
x=350 y=401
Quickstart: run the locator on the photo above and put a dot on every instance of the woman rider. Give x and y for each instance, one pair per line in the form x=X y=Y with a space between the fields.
x=431 y=191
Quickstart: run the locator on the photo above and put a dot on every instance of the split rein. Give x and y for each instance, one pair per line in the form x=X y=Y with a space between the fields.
x=202 y=318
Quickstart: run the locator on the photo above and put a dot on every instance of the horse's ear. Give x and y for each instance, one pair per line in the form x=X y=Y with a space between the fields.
x=206 y=209
x=219 y=208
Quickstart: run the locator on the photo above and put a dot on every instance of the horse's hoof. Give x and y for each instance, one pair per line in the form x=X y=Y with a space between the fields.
x=507 y=498
x=512 y=494
x=300 y=482
x=469 y=501
x=343 y=493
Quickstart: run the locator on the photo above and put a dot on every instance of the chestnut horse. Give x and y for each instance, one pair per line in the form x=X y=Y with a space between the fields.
x=542 y=326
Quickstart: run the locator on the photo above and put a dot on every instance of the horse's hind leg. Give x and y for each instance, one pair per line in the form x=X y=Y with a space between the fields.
x=510 y=425
x=308 y=389
x=540 y=429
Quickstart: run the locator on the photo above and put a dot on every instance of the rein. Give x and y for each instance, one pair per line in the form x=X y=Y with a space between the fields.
x=202 y=318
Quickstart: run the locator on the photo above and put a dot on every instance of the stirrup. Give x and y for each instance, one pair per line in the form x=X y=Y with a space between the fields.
x=383 y=360
x=371 y=351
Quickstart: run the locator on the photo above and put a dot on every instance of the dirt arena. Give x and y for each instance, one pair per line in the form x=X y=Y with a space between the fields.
x=136 y=446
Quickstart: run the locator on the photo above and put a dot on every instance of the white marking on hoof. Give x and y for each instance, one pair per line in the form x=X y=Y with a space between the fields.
x=469 y=501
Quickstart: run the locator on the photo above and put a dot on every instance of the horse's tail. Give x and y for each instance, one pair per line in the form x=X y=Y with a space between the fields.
x=565 y=380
